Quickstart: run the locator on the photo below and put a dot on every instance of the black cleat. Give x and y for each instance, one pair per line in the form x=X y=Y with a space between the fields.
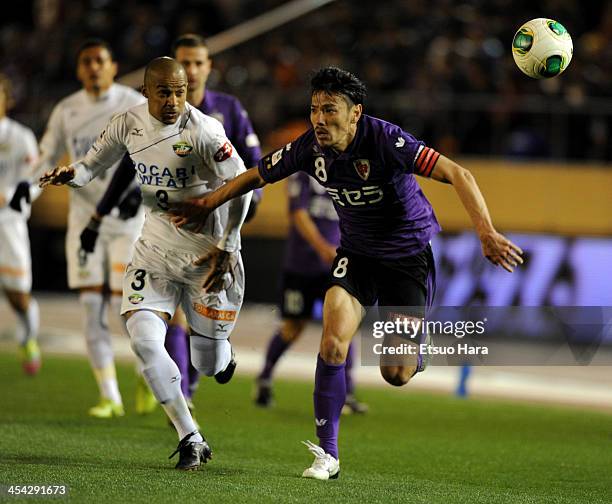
x=191 y=453
x=226 y=375
x=263 y=396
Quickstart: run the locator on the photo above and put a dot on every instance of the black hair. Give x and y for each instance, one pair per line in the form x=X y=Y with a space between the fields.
x=335 y=80
x=95 y=42
x=188 y=40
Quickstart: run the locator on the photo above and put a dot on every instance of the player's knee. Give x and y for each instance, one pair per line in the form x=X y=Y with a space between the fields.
x=397 y=375
x=147 y=332
x=291 y=329
x=210 y=356
x=18 y=300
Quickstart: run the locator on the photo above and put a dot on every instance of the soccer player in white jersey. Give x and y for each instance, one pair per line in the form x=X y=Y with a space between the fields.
x=18 y=151
x=74 y=125
x=179 y=154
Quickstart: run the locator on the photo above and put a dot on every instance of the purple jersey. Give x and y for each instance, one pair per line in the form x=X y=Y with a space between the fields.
x=238 y=128
x=306 y=193
x=383 y=212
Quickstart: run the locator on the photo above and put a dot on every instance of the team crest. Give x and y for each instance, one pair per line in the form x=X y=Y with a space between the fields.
x=135 y=299
x=182 y=149
x=362 y=166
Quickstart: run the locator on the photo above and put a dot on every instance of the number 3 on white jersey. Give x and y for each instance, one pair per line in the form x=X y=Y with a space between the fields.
x=341 y=268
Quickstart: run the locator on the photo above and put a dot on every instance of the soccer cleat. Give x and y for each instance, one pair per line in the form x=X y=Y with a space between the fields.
x=106 y=408
x=191 y=453
x=30 y=357
x=263 y=394
x=352 y=405
x=324 y=466
x=145 y=400
x=226 y=375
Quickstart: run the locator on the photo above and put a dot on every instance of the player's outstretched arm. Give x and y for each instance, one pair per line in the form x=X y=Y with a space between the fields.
x=198 y=209
x=495 y=246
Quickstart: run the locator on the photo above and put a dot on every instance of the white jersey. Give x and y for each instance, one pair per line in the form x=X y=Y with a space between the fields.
x=18 y=153
x=174 y=163
x=74 y=125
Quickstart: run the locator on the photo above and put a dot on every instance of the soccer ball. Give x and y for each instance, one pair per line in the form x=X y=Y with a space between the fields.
x=542 y=48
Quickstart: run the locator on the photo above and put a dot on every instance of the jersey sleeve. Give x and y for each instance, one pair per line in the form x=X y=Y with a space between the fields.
x=244 y=137
x=217 y=151
x=107 y=150
x=285 y=161
x=409 y=154
x=298 y=191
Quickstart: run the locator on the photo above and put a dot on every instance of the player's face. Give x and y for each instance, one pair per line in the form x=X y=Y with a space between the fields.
x=96 y=69
x=197 y=65
x=167 y=95
x=334 y=120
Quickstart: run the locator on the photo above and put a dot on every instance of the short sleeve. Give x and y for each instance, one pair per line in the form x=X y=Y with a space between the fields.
x=218 y=151
x=285 y=161
x=409 y=154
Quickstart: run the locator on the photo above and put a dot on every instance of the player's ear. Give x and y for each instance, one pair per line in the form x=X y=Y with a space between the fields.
x=356 y=113
x=143 y=90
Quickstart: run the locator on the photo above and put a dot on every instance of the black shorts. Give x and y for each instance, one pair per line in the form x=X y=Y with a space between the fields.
x=409 y=281
x=299 y=293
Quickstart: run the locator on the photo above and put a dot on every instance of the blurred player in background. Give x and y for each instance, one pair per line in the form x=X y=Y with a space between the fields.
x=192 y=52
x=74 y=125
x=18 y=152
x=179 y=153
x=367 y=166
x=314 y=236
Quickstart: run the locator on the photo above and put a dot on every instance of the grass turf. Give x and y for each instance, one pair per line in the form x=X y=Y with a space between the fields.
x=411 y=447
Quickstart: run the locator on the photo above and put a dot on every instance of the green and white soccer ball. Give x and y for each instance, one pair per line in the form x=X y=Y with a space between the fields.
x=542 y=48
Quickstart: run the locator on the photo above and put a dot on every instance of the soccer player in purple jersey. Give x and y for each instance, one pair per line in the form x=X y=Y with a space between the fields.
x=367 y=166
x=310 y=250
x=192 y=52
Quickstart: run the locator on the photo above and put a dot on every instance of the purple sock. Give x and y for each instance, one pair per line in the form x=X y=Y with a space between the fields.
x=329 y=397
x=194 y=374
x=276 y=348
x=177 y=344
x=350 y=387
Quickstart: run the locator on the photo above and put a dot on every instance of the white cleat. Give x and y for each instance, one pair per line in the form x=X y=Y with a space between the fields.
x=324 y=466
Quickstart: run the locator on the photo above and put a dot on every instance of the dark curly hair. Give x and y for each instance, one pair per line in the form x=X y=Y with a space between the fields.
x=335 y=80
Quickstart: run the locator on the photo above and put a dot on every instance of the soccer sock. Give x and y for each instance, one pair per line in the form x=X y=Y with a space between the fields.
x=99 y=345
x=29 y=322
x=210 y=356
x=177 y=346
x=350 y=386
x=147 y=333
x=329 y=397
x=276 y=348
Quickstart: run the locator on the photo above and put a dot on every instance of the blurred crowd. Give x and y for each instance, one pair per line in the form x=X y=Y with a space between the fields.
x=442 y=69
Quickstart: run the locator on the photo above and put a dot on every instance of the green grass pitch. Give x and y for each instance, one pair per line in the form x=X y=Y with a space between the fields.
x=411 y=447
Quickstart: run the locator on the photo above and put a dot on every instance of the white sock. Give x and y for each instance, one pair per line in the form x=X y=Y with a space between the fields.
x=148 y=333
x=28 y=323
x=99 y=345
x=210 y=356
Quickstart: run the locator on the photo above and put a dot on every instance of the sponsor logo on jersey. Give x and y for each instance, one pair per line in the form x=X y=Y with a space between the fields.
x=182 y=149
x=214 y=314
x=224 y=152
x=222 y=327
x=137 y=132
x=362 y=166
x=135 y=299
x=277 y=156
x=400 y=142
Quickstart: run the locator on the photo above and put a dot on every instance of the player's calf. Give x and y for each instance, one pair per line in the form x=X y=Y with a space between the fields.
x=397 y=375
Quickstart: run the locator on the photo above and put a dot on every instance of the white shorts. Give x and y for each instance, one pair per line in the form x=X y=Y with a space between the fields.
x=15 y=260
x=160 y=280
x=107 y=263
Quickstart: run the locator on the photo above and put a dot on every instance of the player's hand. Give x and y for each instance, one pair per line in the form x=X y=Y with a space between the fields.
x=327 y=254
x=60 y=175
x=220 y=266
x=193 y=211
x=22 y=191
x=89 y=236
x=501 y=251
